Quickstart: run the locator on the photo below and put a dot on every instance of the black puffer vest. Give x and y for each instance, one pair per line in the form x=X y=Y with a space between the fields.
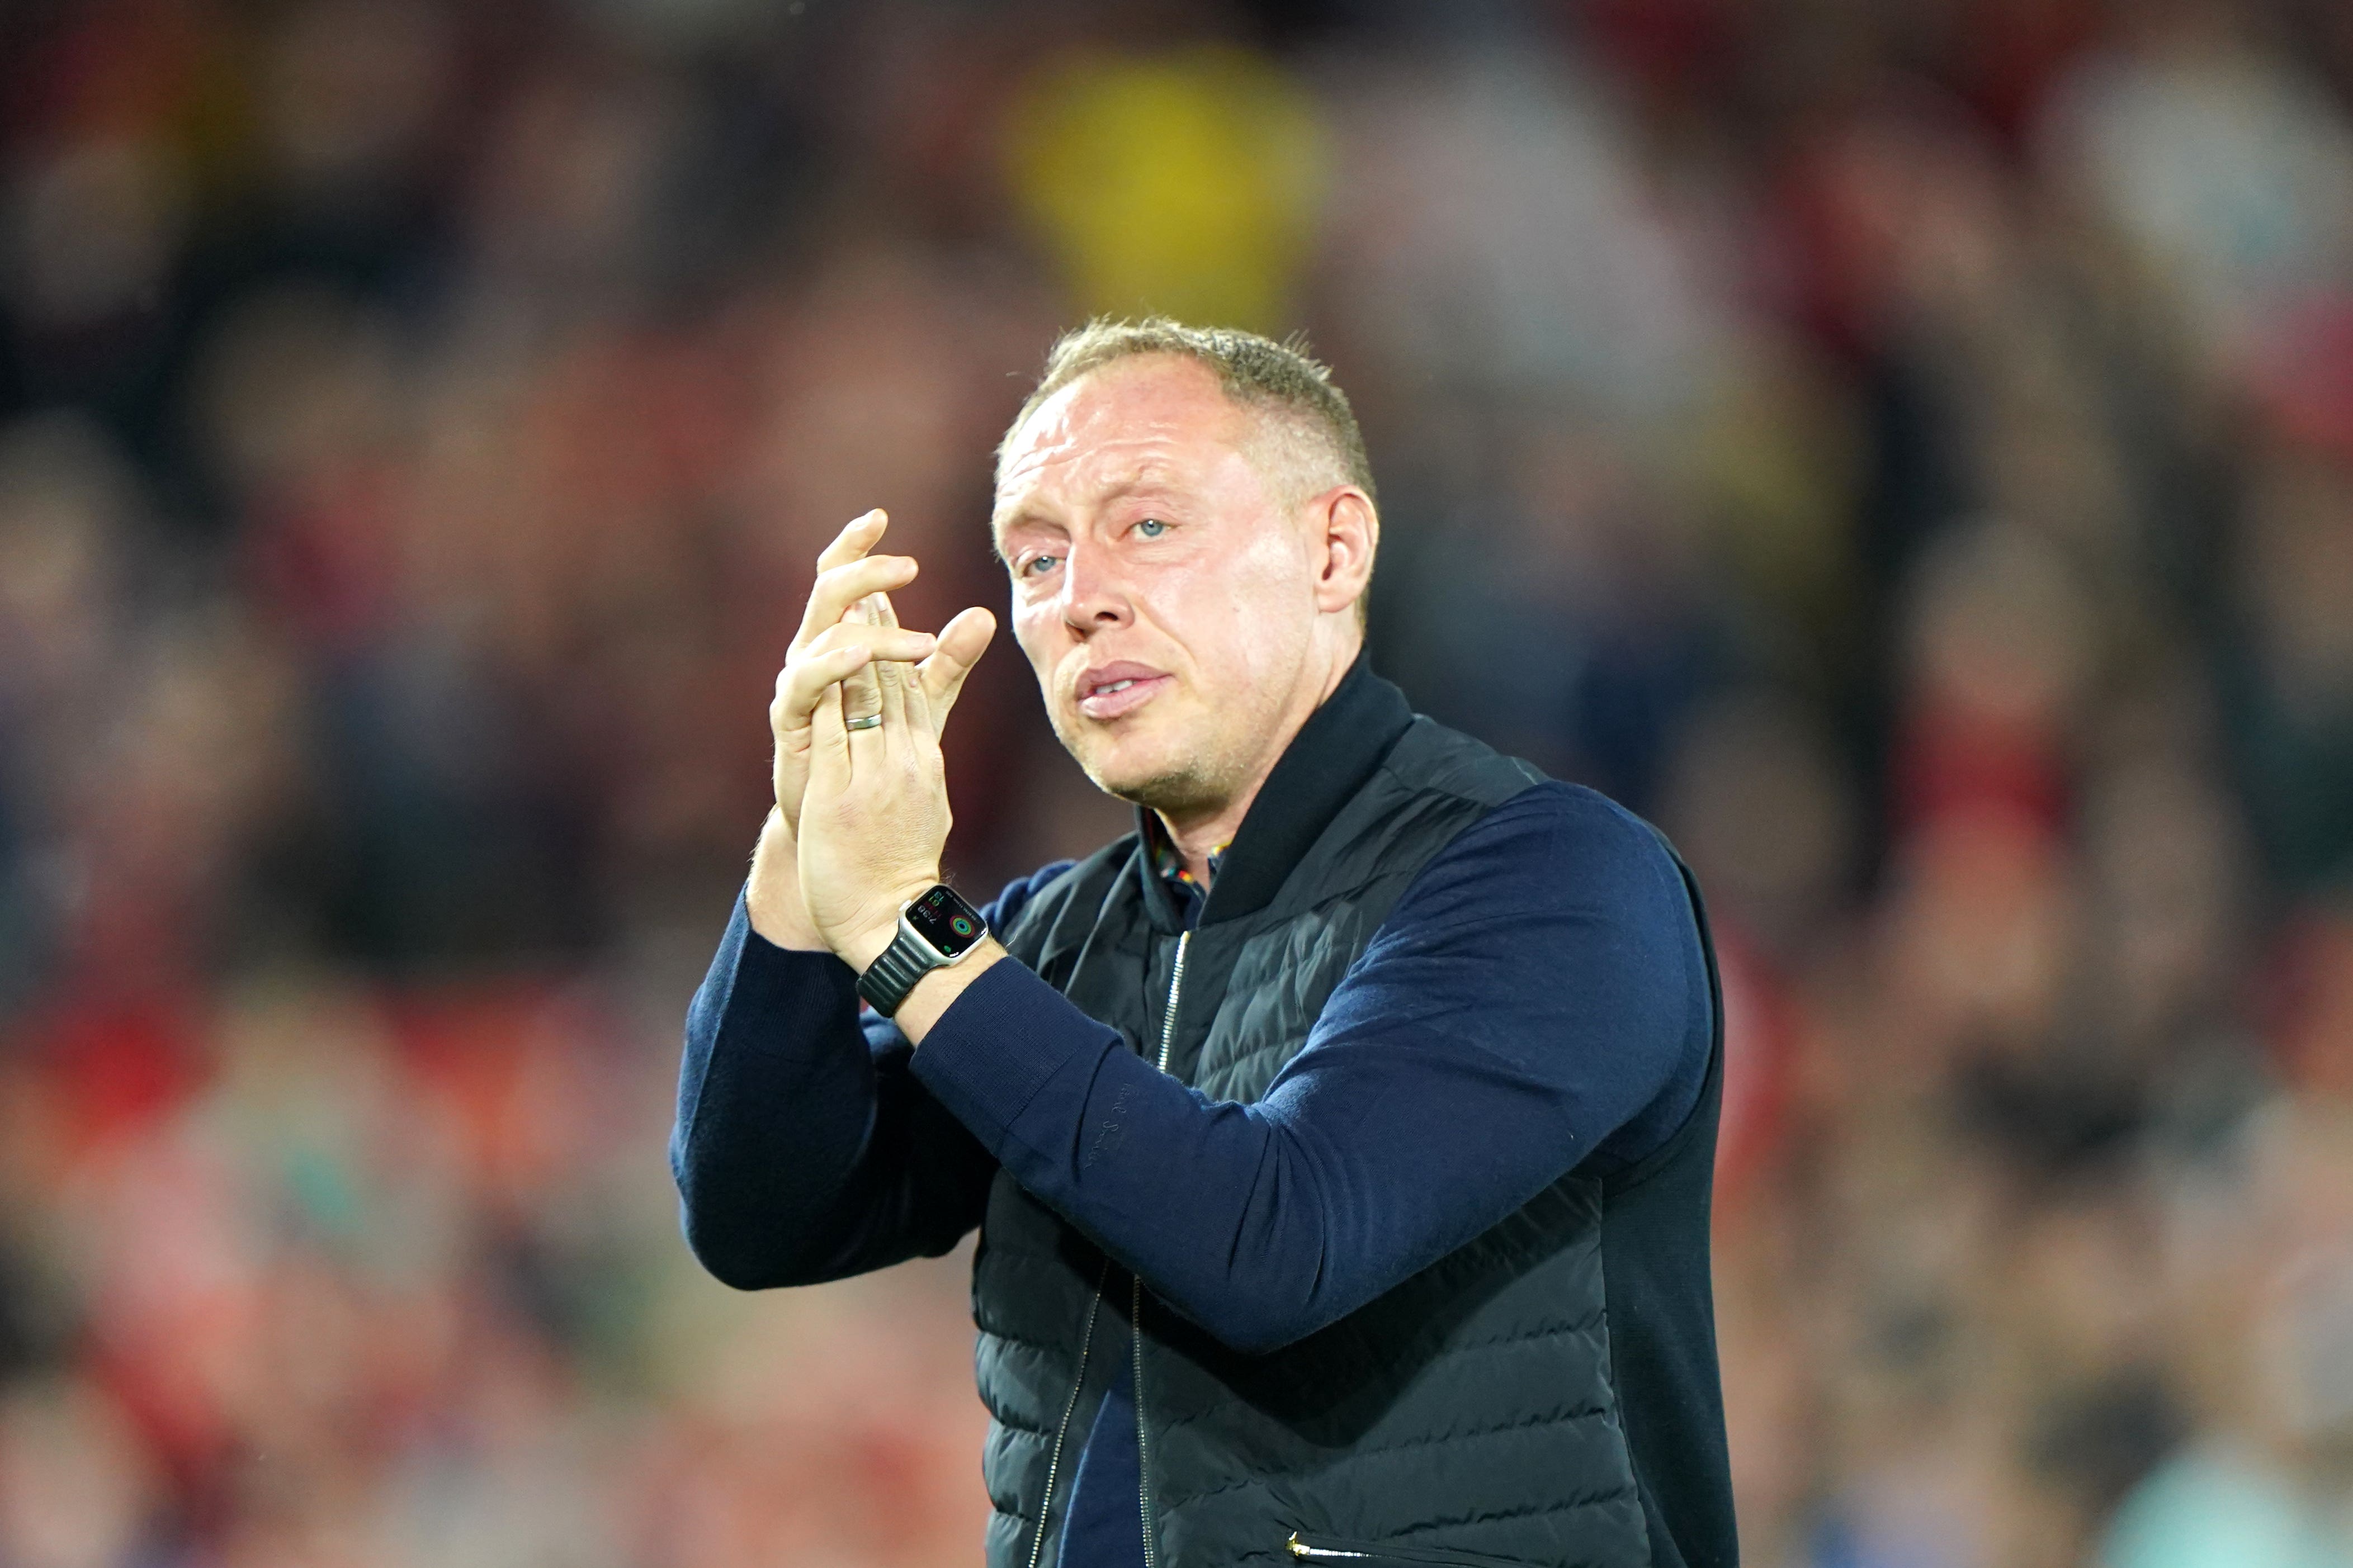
x=1469 y=1415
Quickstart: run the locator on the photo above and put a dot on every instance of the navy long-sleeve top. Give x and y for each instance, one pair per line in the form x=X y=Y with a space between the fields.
x=1536 y=1000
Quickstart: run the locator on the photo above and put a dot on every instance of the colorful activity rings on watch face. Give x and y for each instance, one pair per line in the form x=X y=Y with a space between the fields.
x=946 y=922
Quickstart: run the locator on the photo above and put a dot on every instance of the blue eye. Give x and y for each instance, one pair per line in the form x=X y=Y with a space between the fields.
x=1036 y=564
x=1152 y=528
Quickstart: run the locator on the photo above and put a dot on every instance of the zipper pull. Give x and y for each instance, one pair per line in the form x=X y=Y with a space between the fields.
x=1300 y=1548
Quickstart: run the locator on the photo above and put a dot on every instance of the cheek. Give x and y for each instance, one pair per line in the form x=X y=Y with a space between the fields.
x=1263 y=607
x=1034 y=628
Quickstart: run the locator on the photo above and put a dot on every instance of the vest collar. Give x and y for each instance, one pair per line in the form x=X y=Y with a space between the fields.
x=1331 y=758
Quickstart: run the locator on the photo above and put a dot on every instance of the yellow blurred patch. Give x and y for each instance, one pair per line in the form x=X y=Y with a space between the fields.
x=1188 y=184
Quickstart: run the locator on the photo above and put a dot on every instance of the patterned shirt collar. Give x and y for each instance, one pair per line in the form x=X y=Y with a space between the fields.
x=1169 y=862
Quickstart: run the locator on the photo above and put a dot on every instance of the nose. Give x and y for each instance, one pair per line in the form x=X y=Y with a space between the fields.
x=1094 y=597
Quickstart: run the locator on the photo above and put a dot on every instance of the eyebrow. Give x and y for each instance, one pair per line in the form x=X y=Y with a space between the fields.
x=999 y=528
x=1153 y=481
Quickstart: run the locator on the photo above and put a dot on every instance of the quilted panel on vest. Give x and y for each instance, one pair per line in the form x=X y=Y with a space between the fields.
x=1471 y=1408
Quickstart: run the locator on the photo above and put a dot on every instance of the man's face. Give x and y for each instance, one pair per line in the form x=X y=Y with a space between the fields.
x=1163 y=587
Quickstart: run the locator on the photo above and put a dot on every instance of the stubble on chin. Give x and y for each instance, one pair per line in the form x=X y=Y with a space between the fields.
x=1184 y=791
x=1179 y=787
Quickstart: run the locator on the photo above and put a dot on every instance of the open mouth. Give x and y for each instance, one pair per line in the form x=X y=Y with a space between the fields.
x=1110 y=693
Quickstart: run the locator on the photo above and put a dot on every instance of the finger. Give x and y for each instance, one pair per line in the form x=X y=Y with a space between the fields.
x=876 y=609
x=892 y=679
x=828 y=740
x=901 y=644
x=862 y=699
x=812 y=669
x=853 y=544
x=919 y=702
x=861 y=694
x=839 y=588
x=807 y=680
x=961 y=643
x=854 y=540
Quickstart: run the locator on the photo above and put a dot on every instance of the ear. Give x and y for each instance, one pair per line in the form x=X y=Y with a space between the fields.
x=1346 y=531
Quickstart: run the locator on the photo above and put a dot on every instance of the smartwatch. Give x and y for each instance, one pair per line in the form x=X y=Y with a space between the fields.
x=935 y=930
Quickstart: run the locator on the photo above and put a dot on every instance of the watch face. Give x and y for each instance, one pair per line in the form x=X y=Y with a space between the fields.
x=946 y=922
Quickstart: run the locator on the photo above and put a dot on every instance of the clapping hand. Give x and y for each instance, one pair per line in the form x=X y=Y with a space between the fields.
x=865 y=809
x=850 y=638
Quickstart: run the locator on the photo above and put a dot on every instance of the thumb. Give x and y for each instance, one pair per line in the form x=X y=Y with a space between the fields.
x=962 y=642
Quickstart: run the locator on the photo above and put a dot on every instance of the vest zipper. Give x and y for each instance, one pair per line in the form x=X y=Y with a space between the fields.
x=1334 y=1551
x=1176 y=989
x=1135 y=1303
x=1078 y=1381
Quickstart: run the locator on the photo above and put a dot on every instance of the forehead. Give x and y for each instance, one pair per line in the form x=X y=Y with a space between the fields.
x=1152 y=418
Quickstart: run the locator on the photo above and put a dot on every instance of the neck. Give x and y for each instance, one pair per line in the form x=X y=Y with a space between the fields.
x=1196 y=833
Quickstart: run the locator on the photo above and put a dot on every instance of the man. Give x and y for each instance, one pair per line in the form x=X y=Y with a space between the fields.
x=1340 y=1139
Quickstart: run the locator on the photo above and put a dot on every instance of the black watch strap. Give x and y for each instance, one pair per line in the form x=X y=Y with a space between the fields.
x=889 y=977
x=937 y=927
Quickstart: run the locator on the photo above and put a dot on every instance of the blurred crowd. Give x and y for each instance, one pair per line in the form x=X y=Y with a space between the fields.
x=1906 y=451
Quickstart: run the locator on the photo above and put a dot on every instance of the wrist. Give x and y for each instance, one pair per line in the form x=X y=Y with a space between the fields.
x=772 y=893
x=936 y=991
x=861 y=949
x=861 y=946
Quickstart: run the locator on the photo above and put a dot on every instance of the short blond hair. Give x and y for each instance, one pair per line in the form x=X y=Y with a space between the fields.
x=1255 y=371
